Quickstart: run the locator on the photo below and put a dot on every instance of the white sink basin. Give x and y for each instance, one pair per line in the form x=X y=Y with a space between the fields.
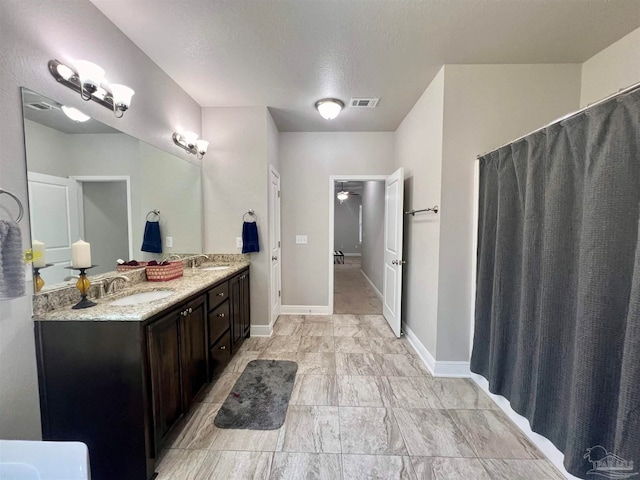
x=214 y=269
x=142 y=297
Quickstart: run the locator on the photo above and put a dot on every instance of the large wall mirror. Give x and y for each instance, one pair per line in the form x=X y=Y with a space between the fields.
x=90 y=181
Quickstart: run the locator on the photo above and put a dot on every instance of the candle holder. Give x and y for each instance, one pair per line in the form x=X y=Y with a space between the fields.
x=38 y=282
x=83 y=285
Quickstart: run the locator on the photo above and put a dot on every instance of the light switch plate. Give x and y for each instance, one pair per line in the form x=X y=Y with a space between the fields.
x=168 y=242
x=239 y=242
x=301 y=239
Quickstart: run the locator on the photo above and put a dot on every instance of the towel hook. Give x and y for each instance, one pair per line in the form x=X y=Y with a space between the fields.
x=251 y=213
x=20 y=208
x=153 y=212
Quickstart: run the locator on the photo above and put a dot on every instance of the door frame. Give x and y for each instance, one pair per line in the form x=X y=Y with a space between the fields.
x=272 y=281
x=332 y=180
x=81 y=179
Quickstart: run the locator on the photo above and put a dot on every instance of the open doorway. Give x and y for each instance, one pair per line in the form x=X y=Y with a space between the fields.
x=388 y=212
x=358 y=247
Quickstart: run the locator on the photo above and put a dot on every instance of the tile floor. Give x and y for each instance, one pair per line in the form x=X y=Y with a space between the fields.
x=351 y=291
x=363 y=407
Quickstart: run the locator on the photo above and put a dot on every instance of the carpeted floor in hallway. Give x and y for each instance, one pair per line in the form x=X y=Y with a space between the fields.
x=352 y=293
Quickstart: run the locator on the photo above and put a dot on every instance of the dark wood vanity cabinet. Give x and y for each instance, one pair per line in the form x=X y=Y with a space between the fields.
x=122 y=386
x=240 y=309
x=177 y=364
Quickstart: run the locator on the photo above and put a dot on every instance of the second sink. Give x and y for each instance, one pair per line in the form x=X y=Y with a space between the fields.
x=142 y=297
x=213 y=269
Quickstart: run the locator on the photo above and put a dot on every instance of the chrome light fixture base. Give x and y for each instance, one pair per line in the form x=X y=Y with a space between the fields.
x=194 y=145
x=99 y=94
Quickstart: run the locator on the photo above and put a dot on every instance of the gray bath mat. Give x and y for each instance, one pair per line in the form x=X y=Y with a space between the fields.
x=259 y=399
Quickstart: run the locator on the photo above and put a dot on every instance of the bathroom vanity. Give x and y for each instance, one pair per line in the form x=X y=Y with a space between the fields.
x=119 y=378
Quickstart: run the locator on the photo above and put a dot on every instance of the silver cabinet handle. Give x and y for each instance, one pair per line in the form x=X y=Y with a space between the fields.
x=221 y=315
x=274 y=258
x=223 y=347
x=221 y=294
x=190 y=310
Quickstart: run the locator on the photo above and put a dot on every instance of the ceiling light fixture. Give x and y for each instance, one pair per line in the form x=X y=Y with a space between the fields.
x=74 y=114
x=329 y=108
x=190 y=143
x=87 y=79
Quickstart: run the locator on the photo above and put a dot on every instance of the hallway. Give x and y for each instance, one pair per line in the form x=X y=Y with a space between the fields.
x=363 y=407
x=352 y=293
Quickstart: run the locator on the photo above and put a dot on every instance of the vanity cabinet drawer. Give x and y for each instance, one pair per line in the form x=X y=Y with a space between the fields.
x=218 y=321
x=218 y=294
x=220 y=354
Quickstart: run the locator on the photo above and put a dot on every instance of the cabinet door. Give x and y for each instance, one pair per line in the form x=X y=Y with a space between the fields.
x=235 y=295
x=246 y=305
x=164 y=364
x=193 y=332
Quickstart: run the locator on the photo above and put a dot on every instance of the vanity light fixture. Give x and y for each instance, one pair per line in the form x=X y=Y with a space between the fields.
x=74 y=114
x=329 y=108
x=190 y=143
x=87 y=79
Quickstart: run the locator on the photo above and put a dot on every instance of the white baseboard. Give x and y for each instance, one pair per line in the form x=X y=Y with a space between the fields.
x=304 y=310
x=375 y=290
x=420 y=349
x=554 y=455
x=352 y=254
x=263 y=330
x=437 y=369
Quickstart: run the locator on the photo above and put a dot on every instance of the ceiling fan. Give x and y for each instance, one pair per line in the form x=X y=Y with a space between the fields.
x=343 y=194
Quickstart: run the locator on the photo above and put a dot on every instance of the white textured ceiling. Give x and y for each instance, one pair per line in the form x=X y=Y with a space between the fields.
x=286 y=54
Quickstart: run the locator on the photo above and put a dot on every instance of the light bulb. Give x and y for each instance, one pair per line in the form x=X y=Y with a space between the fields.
x=329 y=108
x=121 y=95
x=190 y=139
x=342 y=196
x=75 y=114
x=201 y=146
x=90 y=74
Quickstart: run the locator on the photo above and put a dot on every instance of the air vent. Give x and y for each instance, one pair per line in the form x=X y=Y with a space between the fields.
x=364 y=102
x=40 y=106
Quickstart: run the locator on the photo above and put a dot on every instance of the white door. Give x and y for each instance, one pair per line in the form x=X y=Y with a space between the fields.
x=54 y=214
x=393 y=217
x=274 y=242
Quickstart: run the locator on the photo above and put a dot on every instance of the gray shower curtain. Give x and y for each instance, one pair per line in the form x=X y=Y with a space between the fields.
x=557 y=322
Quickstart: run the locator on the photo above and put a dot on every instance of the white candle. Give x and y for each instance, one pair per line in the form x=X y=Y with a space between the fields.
x=80 y=254
x=38 y=248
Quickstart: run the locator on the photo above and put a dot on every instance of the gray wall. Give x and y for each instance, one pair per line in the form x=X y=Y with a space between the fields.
x=307 y=160
x=615 y=67
x=484 y=107
x=419 y=151
x=235 y=180
x=105 y=223
x=373 y=232
x=347 y=225
x=32 y=33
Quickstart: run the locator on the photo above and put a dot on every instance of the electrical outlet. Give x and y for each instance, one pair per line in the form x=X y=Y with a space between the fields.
x=301 y=239
x=168 y=242
x=239 y=242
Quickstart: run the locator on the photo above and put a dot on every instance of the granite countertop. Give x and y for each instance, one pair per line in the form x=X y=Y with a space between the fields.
x=184 y=287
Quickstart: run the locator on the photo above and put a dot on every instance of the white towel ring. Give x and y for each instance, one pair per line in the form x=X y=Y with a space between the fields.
x=154 y=212
x=20 y=207
x=251 y=213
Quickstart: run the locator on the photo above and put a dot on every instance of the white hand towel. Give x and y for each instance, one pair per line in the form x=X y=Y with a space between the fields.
x=11 y=266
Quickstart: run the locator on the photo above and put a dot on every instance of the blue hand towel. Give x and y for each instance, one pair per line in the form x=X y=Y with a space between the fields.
x=250 y=237
x=152 y=240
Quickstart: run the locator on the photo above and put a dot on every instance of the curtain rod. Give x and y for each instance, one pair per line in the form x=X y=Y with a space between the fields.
x=567 y=116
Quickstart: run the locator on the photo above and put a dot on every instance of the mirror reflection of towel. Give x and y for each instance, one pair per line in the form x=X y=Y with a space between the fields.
x=250 y=237
x=152 y=240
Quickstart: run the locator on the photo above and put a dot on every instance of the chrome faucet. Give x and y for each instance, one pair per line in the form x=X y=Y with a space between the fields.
x=176 y=256
x=109 y=283
x=194 y=260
